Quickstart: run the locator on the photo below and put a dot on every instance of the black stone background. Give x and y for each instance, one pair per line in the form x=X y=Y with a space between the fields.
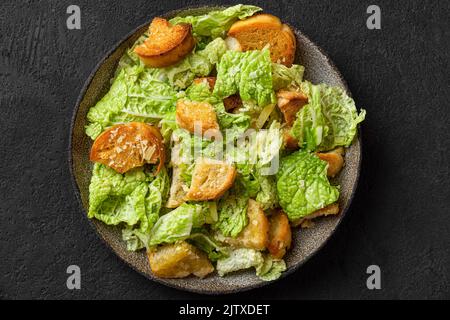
x=399 y=219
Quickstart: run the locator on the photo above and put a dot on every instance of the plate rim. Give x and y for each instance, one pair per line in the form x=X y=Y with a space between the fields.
x=76 y=188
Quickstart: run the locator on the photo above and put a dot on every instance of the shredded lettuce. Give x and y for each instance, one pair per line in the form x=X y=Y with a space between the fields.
x=329 y=120
x=303 y=185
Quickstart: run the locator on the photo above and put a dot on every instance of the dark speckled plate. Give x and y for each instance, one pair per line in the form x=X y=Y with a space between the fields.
x=307 y=242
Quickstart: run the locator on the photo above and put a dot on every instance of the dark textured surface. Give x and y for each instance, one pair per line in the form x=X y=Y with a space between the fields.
x=398 y=220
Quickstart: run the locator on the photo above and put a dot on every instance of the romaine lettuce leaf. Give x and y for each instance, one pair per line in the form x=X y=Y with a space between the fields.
x=196 y=64
x=201 y=92
x=178 y=224
x=239 y=259
x=247 y=73
x=330 y=119
x=310 y=125
x=207 y=244
x=303 y=185
x=233 y=217
x=136 y=94
x=271 y=269
x=284 y=77
x=216 y=23
x=267 y=268
x=134 y=198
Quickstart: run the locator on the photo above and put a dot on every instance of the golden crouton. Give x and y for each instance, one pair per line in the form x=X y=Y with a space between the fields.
x=280 y=236
x=259 y=30
x=127 y=146
x=335 y=161
x=210 y=81
x=179 y=260
x=290 y=103
x=289 y=141
x=332 y=209
x=256 y=234
x=178 y=189
x=166 y=44
x=210 y=179
x=201 y=115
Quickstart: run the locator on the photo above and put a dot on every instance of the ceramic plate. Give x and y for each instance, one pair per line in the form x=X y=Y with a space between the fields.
x=306 y=242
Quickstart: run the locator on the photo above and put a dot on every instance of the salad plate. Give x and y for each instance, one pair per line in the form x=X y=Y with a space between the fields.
x=318 y=68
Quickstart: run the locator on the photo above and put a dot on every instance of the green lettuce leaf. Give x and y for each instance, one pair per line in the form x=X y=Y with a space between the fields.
x=267 y=268
x=303 y=186
x=136 y=94
x=329 y=120
x=267 y=194
x=196 y=64
x=201 y=92
x=134 y=198
x=232 y=215
x=270 y=269
x=239 y=259
x=284 y=77
x=216 y=23
x=178 y=224
x=247 y=73
x=310 y=125
x=206 y=243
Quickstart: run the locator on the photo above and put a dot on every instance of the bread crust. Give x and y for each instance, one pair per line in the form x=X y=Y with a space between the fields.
x=256 y=234
x=179 y=260
x=127 y=146
x=280 y=236
x=256 y=32
x=166 y=44
x=290 y=102
x=190 y=114
x=210 y=180
x=334 y=159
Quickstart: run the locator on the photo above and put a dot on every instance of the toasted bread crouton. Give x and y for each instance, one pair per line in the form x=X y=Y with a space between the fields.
x=230 y=103
x=290 y=103
x=335 y=161
x=307 y=224
x=289 y=141
x=210 y=179
x=280 y=236
x=260 y=30
x=166 y=44
x=127 y=146
x=179 y=260
x=332 y=209
x=256 y=234
x=201 y=115
x=178 y=189
x=210 y=81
